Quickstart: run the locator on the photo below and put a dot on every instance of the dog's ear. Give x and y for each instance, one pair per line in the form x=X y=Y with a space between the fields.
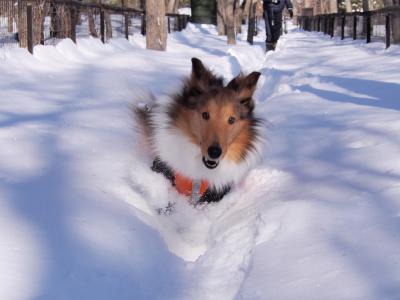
x=245 y=87
x=198 y=69
x=200 y=80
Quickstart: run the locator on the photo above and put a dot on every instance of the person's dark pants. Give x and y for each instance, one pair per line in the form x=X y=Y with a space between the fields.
x=273 y=26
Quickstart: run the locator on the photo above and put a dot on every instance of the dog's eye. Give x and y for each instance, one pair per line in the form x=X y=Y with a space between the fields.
x=231 y=120
x=205 y=115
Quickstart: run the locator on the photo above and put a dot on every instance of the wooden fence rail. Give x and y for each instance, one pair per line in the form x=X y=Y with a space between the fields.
x=379 y=25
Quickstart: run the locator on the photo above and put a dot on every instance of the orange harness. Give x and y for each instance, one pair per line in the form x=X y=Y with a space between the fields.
x=194 y=189
x=190 y=188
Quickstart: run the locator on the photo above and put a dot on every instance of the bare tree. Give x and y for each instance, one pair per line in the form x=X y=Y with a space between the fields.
x=131 y=3
x=92 y=27
x=11 y=16
x=348 y=6
x=221 y=16
x=172 y=6
x=21 y=24
x=230 y=21
x=107 y=20
x=238 y=17
x=38 y=8
x=246 y=8
x=156 y=29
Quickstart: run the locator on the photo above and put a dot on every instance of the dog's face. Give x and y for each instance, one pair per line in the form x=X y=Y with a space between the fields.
x=217 y=118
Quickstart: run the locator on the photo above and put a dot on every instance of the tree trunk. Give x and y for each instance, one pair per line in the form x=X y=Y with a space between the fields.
x=395 y=22
x=388 y=3
x=65 y=22
x=246 y=10
x=172 y=6
x=238 y=17
x=156 y=29
x=38 y=22
x=348 y=6
x=107 y=19
x=21 y=24
x=10 y=25
x=92 y=27
x=333 y=6
x=57 y=21
x=221 y=17
x=230 y=22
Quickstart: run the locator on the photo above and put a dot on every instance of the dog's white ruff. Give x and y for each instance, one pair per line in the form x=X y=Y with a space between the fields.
x=175 y=148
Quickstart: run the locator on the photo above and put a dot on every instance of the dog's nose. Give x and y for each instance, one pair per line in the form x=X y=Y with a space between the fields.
x=214 y=151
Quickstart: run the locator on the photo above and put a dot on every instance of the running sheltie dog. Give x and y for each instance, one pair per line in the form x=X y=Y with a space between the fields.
x=206 y=137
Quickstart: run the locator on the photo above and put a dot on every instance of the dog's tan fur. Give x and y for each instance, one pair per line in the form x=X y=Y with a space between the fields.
x=230 y=123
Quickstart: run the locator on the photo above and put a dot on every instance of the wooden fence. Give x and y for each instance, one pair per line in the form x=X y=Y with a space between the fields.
x=378 y=25
x=32 y=22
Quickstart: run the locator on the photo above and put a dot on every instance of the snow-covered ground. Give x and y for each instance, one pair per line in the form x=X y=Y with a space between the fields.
x=319 y=218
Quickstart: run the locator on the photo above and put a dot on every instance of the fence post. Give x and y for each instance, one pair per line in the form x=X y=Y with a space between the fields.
x=387 y=17
x=185 y=21
x=73 y=24
x=328 y=25
x=143 y=24
x=354 y=27
x=319 y=24
x=332 y=26
x=29 y=23
x=102 y=26
x=169 y=24
x=251 y=24
x=126 y=26
x=343 y=23
x=180 y=17
x=368 y=24
x=178 y=23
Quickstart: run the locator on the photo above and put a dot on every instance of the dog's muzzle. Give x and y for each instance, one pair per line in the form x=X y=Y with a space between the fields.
x=213 y=154
x=210 y=163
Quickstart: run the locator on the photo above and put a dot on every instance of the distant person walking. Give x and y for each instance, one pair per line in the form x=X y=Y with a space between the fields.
x=273 y=20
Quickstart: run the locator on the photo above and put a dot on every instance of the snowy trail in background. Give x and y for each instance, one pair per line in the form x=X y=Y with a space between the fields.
x=78 y=200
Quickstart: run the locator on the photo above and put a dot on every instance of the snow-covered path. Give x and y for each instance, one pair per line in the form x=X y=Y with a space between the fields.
x=335 y=108
x=319 y=218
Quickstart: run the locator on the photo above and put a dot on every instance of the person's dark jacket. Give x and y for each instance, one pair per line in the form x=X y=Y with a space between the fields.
x=279 y=5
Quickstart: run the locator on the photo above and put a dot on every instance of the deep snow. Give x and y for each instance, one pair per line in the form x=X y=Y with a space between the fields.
x=319 y=218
